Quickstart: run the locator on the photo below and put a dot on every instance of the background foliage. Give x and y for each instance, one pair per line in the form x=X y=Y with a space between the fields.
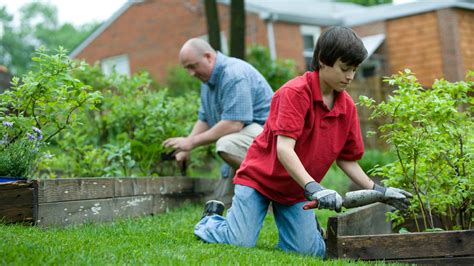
x=38 y=26
x=276 y=72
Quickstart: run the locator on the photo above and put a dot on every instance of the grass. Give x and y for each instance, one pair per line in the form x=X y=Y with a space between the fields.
x=162 y=239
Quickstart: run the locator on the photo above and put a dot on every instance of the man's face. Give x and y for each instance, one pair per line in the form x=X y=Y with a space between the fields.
x=197 y=65
x=339 y=76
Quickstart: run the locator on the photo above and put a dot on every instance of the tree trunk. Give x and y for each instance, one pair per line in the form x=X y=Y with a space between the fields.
x=237 y=29
x=212 y=19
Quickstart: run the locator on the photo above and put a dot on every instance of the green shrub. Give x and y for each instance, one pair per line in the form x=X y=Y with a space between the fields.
x=42 y=104
x=432 y=134
x=276 y=72
x=374 y=158
x=124 y=136
x=179 y=82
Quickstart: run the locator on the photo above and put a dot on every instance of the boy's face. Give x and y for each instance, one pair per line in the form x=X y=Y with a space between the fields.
x=337 y=77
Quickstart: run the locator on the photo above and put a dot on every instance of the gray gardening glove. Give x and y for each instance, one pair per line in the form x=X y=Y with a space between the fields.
x=395 y=197
x=322 y=198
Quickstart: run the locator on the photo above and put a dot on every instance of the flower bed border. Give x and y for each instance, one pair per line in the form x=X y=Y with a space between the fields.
x=364 y=234
x=60 y=202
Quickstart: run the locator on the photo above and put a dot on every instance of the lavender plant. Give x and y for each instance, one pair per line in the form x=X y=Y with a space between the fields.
x=18 y=153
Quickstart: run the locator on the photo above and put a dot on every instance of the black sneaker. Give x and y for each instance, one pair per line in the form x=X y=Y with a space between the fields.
x=213 y=207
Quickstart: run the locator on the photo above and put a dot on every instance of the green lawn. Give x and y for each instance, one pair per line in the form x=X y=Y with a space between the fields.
x=162 y=239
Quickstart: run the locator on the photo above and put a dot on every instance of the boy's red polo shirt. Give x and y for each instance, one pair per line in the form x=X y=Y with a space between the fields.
x=322 y=135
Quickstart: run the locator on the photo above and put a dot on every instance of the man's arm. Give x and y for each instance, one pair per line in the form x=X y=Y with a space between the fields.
x=202 y=135
x=222 y=128
x=355 y=172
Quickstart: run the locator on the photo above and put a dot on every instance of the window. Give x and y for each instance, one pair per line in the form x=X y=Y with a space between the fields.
x=119 y=64
x=310 y=37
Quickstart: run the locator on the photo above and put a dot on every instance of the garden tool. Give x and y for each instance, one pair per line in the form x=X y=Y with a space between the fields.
x=169 y=156
x=353 y=199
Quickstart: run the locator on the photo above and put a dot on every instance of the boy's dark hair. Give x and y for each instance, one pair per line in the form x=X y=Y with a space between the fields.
x=338 y=42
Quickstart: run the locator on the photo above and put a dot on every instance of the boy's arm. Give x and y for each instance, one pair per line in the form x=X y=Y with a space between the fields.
x=396 y=197
x=314 y=192
x=355 y=172
x=288 y=158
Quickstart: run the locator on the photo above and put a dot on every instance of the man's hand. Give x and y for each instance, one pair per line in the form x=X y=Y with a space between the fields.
x=179 y=144
x=324 y=198
x=182 y=156
x=395 y=197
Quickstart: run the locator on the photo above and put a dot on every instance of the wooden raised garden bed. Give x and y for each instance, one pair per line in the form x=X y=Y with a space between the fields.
x=74 y=201
x=364 y=234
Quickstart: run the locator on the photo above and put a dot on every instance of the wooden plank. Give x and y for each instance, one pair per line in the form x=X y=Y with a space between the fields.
x=162 y=186
x=366 y=220
x=96 y=210
x=204 y=186
x=469 y=260
x=15 y=185
x=56 y=190
x=137 y=186
x=403 y=246
x=16 y=205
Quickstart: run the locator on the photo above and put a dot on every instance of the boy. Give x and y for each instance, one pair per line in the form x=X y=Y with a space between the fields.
x=312 y=123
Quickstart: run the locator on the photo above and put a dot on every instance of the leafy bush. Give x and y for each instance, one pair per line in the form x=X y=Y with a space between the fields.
x=276 y=72
x=124 y=136
x=44 y=103
x=374 y=158
x=432 y=134
x=180 y=82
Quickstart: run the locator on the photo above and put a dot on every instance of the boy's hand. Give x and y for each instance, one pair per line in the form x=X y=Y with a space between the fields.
x=325 y=198
x=395 y=197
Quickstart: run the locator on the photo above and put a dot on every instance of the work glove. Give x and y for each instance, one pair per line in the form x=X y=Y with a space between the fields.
x=321 y=198
x=395 y=197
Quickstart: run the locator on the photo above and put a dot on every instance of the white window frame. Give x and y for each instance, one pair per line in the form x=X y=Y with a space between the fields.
x=120 y=64
x=313 y=31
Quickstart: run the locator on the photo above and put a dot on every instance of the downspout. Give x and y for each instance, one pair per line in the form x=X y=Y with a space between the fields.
x=269 y=18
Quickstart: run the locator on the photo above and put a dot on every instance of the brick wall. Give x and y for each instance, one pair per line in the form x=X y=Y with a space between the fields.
x=289 y=43
x=413 y=42
x=466 y=32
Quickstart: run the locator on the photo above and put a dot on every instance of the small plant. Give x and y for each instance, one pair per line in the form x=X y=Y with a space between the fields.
x=432 y=134
x=18 y=152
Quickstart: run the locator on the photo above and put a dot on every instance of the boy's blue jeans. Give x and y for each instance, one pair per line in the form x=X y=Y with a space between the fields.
x=296 y=227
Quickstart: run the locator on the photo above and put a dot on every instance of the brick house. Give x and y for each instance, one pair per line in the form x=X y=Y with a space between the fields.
x=434 y=39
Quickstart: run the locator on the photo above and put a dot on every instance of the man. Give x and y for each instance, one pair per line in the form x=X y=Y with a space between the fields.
x=312 y=123
x=235 y=101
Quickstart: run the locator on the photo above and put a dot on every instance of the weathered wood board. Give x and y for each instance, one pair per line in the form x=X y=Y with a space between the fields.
x=364 y=233
x=62 y=202
x=17 y=201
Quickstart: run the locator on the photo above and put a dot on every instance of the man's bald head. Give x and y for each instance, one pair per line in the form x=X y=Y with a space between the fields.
x=197 y=46
x=198 y=57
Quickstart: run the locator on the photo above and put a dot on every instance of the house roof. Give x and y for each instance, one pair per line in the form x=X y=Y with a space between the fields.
x=391 y=11
x=313 y=12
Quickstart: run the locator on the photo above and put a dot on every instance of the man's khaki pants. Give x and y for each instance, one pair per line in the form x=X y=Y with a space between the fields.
x=236 y=144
